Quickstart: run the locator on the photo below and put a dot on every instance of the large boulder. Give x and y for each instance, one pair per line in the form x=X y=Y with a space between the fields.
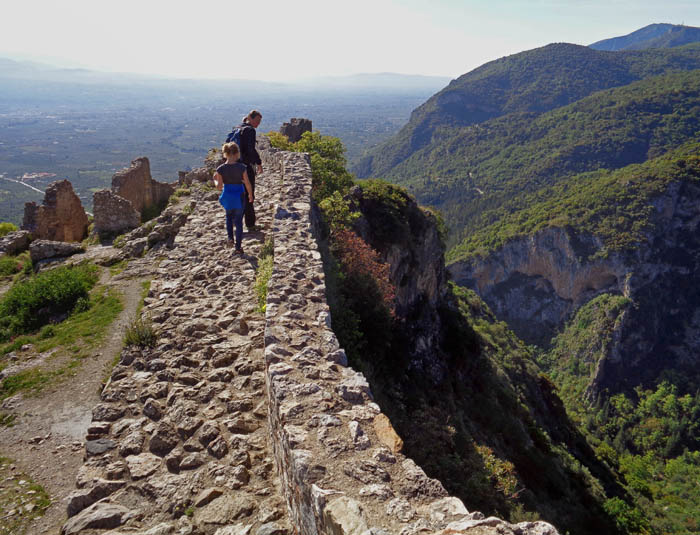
x=15 y=242
x=136 y=185
x=295 y=128
x=113 y=213
x=60 y=217
x=43 y=249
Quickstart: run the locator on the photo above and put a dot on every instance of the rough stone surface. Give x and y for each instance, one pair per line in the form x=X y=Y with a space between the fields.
x=386 y=434
x=136 y=185
x=295 y=128
x=113 y=213
x=43 y=249
x=233 y=414
x=60 y=217
x=101 y=515
x=201 y=174
x=15 y=242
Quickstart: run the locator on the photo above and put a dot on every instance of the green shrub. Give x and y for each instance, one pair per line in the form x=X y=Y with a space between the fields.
x=6 y=228
x=47 y=331
x=337 y=212
x=8 y=266
x=81 y=305
x=119 y=241
x=140 y=333
x=280 y=141
x=32 y=303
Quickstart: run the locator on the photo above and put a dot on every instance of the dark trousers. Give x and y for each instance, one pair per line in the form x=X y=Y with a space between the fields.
x=249 y=208
x=235 y=216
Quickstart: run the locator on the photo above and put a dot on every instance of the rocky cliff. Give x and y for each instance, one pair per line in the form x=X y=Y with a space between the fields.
x=463 y=392
x=536 y=283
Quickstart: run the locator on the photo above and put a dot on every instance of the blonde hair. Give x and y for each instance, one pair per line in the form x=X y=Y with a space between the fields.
x=230 y=149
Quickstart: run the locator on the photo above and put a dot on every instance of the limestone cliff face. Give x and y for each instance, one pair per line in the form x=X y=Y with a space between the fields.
x=412 y=247
x=536 y=283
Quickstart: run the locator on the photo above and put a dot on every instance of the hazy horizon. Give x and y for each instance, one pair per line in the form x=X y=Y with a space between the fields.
x=312 y=38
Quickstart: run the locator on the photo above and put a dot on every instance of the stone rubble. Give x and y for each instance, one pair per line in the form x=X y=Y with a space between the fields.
x=15 y=242
x=240 y=424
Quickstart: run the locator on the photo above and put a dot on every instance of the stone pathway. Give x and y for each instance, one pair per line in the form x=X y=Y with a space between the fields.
x=179 y=442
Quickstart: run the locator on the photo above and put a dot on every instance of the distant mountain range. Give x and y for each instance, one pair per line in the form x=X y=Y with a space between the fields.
x=652 y=36
x=29 y=70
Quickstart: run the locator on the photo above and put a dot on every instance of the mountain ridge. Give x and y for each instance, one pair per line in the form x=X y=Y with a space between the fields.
x=651 y=36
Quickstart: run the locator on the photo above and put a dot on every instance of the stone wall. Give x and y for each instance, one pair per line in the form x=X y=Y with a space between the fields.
x=136 y=185
x=113 y=214
x=295 y=128
x=60 y=217
x=338 y=456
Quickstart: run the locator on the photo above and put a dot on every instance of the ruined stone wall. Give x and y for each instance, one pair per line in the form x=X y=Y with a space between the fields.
x=295 y=128
x=136 y=185
x=338 y=456
x=60 y=217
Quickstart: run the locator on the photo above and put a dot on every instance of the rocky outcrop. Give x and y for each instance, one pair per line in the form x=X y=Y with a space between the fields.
x=410 y=244
x=158 y=232
x=113 y=214
x=295 y=128
x=136 y=185
x=44 y=249
x=15 y=242
x=536 y=283
x=60 y=217
x=187 y=178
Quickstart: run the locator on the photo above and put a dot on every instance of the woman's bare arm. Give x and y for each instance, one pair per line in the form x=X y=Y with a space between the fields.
x=218 y=180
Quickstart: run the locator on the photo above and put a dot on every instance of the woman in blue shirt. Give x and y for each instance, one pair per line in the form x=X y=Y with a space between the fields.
x=232 y=178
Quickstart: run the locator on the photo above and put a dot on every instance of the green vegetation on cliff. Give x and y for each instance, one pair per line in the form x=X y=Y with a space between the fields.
x=650 y=437
x=615 y=206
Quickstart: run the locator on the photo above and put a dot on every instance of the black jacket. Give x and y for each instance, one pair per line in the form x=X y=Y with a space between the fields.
x=249 y=154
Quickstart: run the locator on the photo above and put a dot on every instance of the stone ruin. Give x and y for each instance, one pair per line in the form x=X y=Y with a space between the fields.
x=113 y=214
x=136 y=186
x=60 y=217
x=295 y=128
x=133 y=192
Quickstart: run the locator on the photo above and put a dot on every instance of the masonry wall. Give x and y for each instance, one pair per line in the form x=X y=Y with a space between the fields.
x=337 y=454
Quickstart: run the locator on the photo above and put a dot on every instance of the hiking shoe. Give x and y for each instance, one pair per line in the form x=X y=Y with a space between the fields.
x=229 y=243
x=254 y=228
x=238 y=251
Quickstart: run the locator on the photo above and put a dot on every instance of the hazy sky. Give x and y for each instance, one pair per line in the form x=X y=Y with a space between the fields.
x=285 y=39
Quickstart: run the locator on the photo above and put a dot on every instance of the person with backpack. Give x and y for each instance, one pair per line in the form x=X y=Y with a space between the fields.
x=244 y=136
x=231 y=179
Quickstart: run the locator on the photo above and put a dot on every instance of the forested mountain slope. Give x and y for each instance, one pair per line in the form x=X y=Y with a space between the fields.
x=533 y=81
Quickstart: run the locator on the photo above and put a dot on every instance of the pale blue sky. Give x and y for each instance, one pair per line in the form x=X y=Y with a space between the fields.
x=302 y=38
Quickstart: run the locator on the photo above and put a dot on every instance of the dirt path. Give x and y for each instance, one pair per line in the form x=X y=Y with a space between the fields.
x=46 y=441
